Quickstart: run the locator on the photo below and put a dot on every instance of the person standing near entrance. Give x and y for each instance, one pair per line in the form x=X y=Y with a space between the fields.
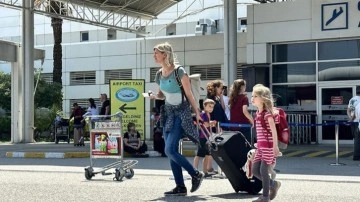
x=176 y=116
x=105 y=105
x=353 y=112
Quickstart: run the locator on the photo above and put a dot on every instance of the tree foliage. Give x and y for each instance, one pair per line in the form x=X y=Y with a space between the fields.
x=47 y=94
x=5 y=91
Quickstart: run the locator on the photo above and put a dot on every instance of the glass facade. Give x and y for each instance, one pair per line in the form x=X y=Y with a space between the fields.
x=302 y=71
x=294 y=52
x=294 y=75
x=332 y=50
x=290 y=73
x=290 y=95
x=339 y=71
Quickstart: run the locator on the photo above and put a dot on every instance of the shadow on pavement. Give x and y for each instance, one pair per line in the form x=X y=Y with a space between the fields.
x=235 y=196
x=182 y=198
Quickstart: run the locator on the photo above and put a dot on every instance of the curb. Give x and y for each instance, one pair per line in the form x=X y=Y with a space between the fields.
x=57 y=155
x=185 y=152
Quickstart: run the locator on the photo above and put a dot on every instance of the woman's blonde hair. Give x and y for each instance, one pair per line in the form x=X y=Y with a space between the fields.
x=168 y=50
x=264 y=93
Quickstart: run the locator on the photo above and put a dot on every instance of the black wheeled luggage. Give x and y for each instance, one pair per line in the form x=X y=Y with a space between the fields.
x=230 y=153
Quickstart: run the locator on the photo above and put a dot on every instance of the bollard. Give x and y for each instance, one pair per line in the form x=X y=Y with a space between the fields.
x=337 y=146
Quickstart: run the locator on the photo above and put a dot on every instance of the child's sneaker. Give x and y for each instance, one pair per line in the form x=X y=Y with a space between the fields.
x=262 y=199
x=212 y=171
x=196 y=181
x=274 y=189
x=208 y=175
x=177 y=191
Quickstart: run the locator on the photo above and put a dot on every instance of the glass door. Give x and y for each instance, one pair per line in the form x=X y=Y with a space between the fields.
x=333 y=106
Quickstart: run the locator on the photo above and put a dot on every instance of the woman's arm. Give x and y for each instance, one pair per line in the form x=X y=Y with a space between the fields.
x=247 y=114
x=126 y=142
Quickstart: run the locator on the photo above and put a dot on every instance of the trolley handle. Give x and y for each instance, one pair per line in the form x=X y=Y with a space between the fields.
x=88 y=115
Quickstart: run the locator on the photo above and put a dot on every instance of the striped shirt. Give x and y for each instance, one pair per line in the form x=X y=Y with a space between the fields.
x=265 y=151
x=263 y=135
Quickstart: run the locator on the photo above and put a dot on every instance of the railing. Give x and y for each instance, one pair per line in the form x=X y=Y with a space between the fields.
x=301 y=130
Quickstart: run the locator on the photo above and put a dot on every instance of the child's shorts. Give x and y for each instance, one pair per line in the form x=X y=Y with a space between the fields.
x=203 y=149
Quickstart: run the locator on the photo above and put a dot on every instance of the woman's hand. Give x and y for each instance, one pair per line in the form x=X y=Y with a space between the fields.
x=276 y=151
x=198 y=118
x=252 y=123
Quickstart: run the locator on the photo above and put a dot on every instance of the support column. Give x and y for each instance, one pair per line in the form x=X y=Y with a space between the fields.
x=28 y=68
x=230 y=40
x=17 y=111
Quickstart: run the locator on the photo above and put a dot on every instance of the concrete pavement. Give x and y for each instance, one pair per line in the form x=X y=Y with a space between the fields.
x=65 y=150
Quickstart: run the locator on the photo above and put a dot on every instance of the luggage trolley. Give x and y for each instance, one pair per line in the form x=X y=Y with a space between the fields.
x=106 y=141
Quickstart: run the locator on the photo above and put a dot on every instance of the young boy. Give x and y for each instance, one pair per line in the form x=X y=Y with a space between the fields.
x=203 y=149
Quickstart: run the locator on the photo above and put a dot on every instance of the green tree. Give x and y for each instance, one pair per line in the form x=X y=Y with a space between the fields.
x=5 y=91
x=48 y=95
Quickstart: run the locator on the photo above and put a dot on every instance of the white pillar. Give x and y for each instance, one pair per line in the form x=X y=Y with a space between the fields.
x=230 y=40
x=17 y=111
x=28 y=68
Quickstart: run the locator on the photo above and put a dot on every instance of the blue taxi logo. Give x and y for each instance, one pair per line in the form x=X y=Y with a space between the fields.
x=127 y=94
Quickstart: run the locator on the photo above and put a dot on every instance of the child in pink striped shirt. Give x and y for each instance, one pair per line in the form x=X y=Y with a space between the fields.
x=267 y=148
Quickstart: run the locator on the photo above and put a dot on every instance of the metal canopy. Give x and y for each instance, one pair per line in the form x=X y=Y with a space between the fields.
x=124 y=15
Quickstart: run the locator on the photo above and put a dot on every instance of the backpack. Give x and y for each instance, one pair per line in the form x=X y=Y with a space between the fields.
x=194 y=84
x=282 y=127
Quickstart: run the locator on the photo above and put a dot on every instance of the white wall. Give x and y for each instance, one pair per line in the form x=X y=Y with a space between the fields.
x=294 y=21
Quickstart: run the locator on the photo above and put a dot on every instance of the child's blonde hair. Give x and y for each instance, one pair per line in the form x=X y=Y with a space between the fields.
x=208 y=101
x=264 y=93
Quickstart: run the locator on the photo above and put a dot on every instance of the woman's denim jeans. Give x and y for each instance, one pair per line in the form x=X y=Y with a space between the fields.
x=177 y=161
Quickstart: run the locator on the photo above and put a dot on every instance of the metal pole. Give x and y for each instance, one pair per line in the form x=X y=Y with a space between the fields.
x=28 y=68
x=230 y=40
x=337 y=145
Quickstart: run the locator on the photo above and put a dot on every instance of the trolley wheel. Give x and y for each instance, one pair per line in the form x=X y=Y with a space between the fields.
x=129 y=173
x=89 y=173
x=119 y=174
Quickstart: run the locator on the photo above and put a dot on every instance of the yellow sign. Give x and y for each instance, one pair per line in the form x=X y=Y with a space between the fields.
x=125 y=96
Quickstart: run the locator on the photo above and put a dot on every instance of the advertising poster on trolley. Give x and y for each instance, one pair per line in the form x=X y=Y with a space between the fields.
x=105 y=144
x=126 y=97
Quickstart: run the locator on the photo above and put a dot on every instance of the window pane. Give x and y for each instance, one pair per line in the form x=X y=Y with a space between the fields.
x=296 y=97
x=286 y=73
x=339 y=50
x=293 y=52
x=208 y=72
x=335 y=71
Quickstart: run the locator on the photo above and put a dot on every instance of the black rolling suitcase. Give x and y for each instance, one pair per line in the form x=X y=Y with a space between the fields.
x=230 y=153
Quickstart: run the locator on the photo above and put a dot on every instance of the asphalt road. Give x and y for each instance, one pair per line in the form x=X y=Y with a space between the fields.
x=303 y=179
